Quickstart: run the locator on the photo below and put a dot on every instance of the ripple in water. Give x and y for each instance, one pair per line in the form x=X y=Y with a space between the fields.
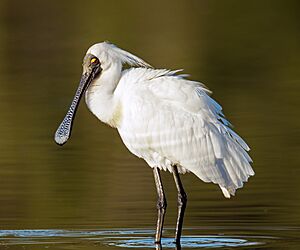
x=186 y=242
x=121 y=238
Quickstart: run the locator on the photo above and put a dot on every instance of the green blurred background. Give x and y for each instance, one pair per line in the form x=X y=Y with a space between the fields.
x=246 y=52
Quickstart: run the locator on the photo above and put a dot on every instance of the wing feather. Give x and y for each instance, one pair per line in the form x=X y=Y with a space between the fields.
x=179 y=123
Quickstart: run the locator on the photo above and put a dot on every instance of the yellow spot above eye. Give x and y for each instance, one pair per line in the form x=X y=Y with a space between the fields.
x=93 y=60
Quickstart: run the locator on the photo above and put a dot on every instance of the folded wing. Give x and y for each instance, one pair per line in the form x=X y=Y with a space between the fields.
x=179 y=123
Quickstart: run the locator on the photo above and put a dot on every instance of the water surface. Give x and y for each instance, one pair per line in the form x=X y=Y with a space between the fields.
x=142 y=239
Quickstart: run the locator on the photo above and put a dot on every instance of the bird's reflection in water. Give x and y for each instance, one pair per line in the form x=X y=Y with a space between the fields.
x=158 y=246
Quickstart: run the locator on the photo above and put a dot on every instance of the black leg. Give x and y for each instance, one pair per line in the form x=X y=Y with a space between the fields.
x=182 y=200
x=161 y=205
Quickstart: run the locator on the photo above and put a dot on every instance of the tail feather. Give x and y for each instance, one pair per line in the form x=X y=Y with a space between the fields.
x=226 y=192
x=228 y=165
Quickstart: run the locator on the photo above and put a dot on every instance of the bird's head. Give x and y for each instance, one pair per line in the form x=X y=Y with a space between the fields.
x=97 y=60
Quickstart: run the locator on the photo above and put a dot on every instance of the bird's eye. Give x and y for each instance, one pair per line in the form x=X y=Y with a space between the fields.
x=94 y=61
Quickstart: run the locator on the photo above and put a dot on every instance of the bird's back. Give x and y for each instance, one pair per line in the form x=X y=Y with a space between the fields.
x=167 y=120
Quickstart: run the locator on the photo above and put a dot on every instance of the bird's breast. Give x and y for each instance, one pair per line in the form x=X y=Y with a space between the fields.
x=116 y=117
x=106 y=108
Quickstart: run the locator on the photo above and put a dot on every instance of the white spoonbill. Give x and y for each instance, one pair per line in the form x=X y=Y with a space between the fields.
x=169 y=121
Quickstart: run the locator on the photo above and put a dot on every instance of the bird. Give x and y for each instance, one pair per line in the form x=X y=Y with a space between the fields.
x=162 y=117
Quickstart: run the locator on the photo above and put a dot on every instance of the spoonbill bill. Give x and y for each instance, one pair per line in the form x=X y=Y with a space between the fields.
x=162 y=117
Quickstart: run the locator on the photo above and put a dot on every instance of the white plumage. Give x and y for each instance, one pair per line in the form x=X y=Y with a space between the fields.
x=166 y=119
x=169 y=121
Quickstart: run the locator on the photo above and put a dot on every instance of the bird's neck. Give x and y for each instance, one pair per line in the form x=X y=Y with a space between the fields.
x=100 y=96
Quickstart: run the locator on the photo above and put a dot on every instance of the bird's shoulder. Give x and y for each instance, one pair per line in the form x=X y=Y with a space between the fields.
x=142 y=75
x=165 y=87
x=161 y=83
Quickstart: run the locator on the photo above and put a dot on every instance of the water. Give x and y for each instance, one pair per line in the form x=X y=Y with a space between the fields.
x=255 y=238
x=92 y=193
x=117 y=238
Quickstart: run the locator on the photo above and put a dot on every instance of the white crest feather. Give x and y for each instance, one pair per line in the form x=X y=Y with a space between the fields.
x=117 y=53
